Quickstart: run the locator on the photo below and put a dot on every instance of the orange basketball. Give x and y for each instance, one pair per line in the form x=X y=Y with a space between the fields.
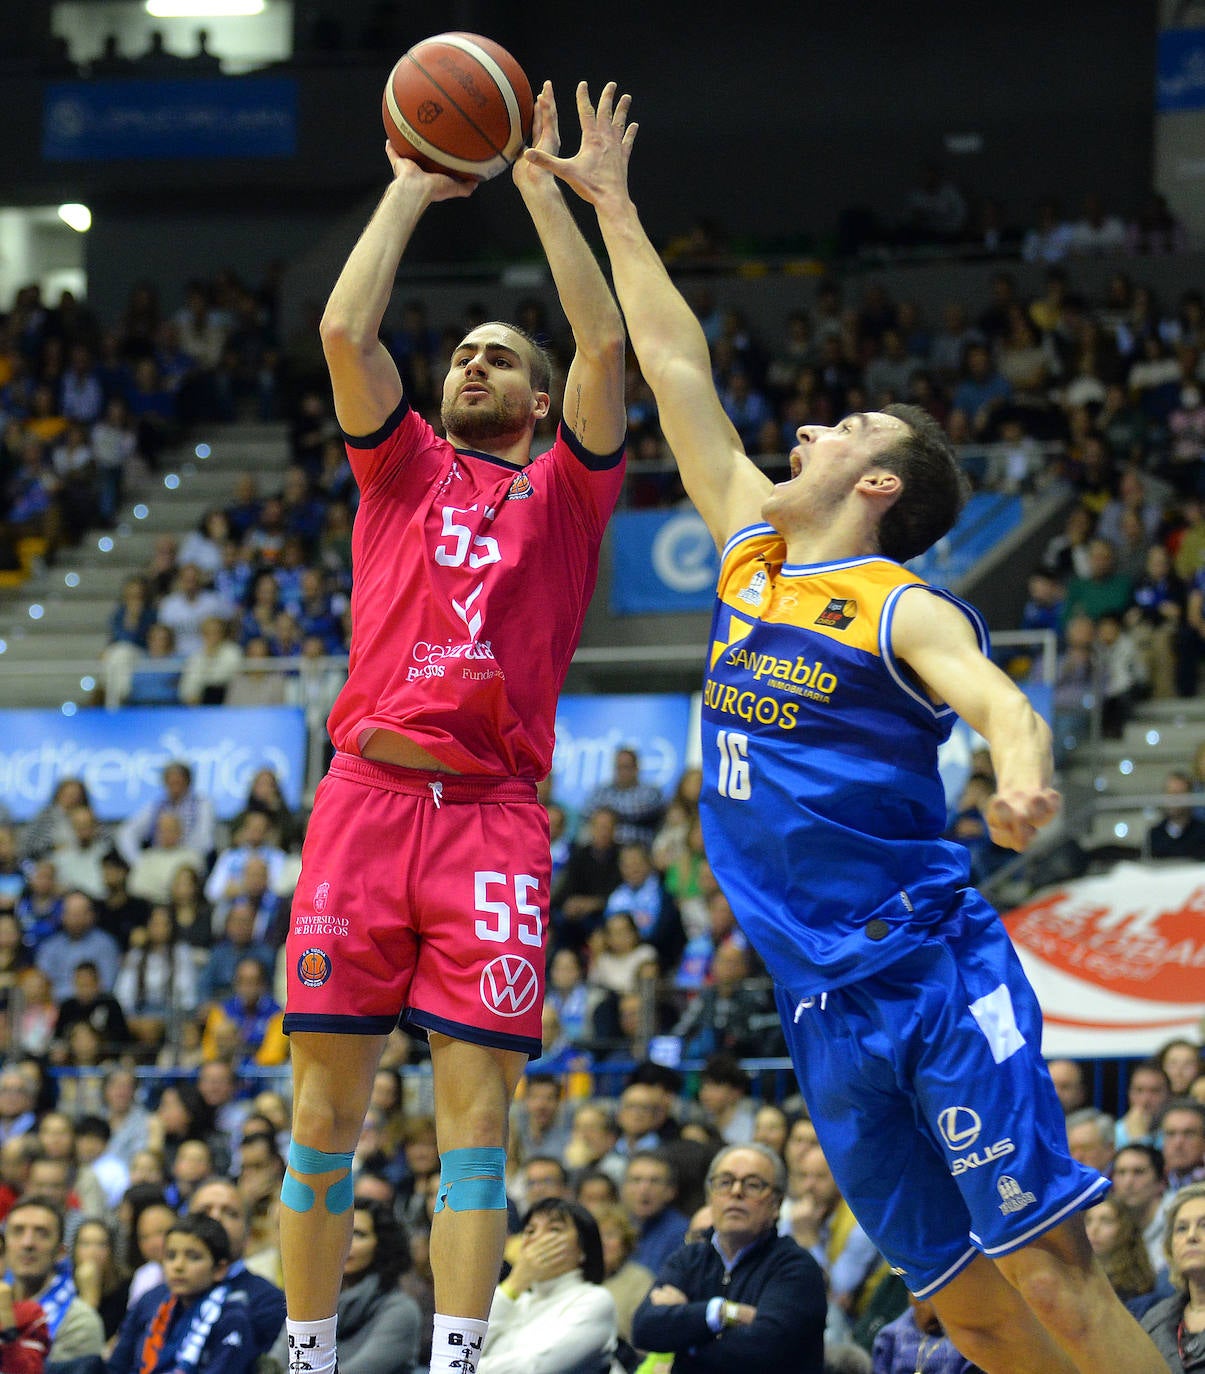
x=458 y=103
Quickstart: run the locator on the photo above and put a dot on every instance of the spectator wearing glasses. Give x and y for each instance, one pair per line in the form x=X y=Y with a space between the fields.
x=744 y=1297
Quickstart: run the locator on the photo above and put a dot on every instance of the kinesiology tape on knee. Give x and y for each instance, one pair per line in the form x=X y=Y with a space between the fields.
x=478 y=1177
x=299 y=1196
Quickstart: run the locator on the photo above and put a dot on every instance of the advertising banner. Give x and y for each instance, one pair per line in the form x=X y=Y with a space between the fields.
x=589 y=729
x=662 y=560
x=110 y=121
x=120 y=755
x=1117 y=960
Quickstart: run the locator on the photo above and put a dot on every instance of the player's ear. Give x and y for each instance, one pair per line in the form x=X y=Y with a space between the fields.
x=880 y=482
x=541 y=403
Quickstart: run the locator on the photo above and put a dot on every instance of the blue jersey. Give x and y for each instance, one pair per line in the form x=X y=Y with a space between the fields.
x=822 y=807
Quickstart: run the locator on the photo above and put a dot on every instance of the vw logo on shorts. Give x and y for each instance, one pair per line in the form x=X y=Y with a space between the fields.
x=959 y=1127
x=509 y=985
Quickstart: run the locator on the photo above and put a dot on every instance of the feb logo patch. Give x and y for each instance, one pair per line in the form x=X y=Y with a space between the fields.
x=753 y=592
x=314 y=968
x=838 y=613
x=520 y=488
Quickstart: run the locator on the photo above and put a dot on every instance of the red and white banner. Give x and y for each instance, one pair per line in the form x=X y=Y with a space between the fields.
x=1117 y=960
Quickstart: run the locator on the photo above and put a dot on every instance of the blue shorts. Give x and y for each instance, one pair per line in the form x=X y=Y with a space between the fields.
x=933 y=1105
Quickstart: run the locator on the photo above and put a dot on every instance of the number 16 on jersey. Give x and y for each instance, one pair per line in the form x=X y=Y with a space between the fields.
x=733 y=780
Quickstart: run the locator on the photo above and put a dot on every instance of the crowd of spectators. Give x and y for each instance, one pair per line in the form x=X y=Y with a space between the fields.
x=82 y=406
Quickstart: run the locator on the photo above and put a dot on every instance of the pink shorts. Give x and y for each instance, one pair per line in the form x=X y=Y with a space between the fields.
x=423 y=899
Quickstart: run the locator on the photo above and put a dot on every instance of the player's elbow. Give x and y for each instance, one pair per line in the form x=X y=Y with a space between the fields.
x=604 y=342
x=342 y=332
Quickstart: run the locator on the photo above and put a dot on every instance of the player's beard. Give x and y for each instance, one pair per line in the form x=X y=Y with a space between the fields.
x=482 y=422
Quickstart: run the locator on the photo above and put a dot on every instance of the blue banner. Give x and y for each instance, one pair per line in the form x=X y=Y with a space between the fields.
x=1180 y=78
x=662 y=560
x=106 y=121
x=120 y=755
x=589 y=729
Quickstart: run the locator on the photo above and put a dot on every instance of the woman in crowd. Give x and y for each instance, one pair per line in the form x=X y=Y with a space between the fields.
x=1117 y=1242
x=14 y=956
x=99 y=1278
x=51 y=828
x=620 y=959
x=180 y=1115
x=422 y=1162
x=157 y=982
x=378 y=1323
x=551 y=1313
x=387 y=1099
x=1181 y=1061
x=1177 y=1325
x=627 y=1281
x=771 y=1126
x=33 y=1028
x=265 y=795
x=149 y=1227
x=191 y=912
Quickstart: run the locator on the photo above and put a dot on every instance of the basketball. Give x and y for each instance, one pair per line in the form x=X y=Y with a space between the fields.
x=460 y=104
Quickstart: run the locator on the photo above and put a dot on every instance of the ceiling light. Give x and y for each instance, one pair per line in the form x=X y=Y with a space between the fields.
x=77 y=217
x=204 y=9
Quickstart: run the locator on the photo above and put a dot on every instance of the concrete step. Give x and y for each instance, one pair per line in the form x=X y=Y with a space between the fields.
x=85 y=615
x=51 y=645
x=48 y=688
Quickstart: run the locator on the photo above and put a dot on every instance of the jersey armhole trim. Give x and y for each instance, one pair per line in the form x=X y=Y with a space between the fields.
x=378 y=436
x=593 y=462
x=759 y=531
x=939 y=710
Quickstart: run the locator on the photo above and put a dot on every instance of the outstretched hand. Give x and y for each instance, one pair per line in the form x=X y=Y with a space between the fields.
x=435 y=185
x=600 y=166
x=1016 y=815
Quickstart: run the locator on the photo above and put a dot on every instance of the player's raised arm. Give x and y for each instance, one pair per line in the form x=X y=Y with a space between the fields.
x=366 y=384
x=594 y=408
x=727 y=489
x=937 y=642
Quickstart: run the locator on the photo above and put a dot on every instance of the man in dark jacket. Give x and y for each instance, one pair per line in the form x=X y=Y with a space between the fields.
x=745 y=1297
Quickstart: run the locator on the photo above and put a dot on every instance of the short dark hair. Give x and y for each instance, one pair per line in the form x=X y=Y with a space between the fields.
x=47 y=1204
x=95 y=1126
x=211 y=1234
x=539 y=361
x=726 y=1069
x=1152 y=1153
x=534 y=1080
x=934 y=486
x=548 y=1159
x=656 y=1075
x=593 y=1176
x=593 y=1268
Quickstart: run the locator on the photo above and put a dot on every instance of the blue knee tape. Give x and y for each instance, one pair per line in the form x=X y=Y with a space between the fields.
x=303 y=1159
x=480 y=1179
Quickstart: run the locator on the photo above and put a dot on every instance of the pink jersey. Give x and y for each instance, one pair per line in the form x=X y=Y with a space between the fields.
x=471 y=582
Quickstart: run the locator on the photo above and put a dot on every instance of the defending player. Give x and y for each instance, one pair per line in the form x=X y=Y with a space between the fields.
x=424 y=883
x=834 y=674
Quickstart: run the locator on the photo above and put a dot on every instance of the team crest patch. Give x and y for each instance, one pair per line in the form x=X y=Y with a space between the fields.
x=757 y=585
x=520 y=488
x=314 y=968
x=838 y=613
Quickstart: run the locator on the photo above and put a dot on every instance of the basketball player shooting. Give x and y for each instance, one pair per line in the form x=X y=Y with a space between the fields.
x=834 y=674
x=424 y=885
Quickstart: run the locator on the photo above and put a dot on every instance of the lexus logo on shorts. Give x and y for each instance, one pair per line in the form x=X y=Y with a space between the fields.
x=509 y=986
x=960 y=1127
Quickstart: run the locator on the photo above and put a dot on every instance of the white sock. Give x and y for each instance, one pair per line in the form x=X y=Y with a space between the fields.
x=311 y=1346
x=456 y=1345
